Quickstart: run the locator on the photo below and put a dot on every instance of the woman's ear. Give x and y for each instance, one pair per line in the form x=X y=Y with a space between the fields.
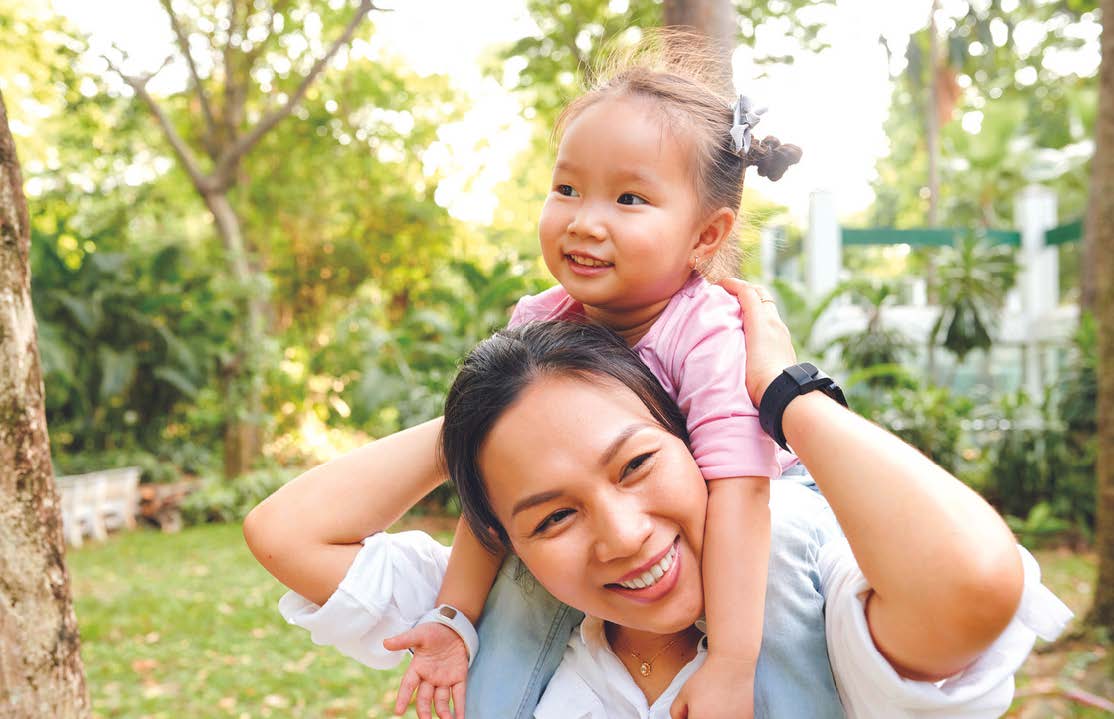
x=713 y=233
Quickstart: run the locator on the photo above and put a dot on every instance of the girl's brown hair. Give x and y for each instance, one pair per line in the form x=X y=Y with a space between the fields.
x=679 y=72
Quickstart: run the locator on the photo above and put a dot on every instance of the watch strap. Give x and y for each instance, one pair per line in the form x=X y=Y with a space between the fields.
x=454 y=619
x=793 y=381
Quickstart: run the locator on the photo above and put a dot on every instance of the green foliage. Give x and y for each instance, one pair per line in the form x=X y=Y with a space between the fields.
x=125 y=340
x=1028 y=122
x=929 y=418
x=405 y=368
x=221 y=500
x=971 y=282
x=1039 y=527
x=876 y=344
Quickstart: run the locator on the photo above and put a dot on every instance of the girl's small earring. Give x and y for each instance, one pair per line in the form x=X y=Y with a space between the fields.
x=694 y=262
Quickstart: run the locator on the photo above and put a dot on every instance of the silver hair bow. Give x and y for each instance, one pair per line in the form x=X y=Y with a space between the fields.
x=746 y=116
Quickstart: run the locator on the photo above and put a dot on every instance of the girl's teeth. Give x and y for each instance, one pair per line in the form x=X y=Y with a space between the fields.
x=588 y=261
x=653 y=574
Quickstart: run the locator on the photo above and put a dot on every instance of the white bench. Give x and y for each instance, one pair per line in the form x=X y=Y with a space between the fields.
x=95 y=502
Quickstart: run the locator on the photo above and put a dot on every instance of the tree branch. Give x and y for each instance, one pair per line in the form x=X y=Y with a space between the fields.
x=244 y=143
x=139 y=83
x=202 y=96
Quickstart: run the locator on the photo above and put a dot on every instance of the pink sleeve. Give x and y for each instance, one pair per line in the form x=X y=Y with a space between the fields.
x=707 y=361
x=547 y=305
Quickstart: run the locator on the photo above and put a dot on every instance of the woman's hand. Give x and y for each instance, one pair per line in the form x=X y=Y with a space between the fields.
x=769 y=346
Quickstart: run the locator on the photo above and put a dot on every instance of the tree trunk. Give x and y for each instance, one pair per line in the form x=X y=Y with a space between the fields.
x=243 y=435
x=712 y=18
x=40 y=666
x=1100 y=226
x=932 y=136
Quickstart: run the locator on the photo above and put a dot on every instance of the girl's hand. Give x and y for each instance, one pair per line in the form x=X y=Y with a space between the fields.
x=717 y=690
x=769 y=346
x=437 y=670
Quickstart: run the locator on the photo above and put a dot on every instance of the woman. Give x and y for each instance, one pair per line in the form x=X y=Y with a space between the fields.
x=583 y=470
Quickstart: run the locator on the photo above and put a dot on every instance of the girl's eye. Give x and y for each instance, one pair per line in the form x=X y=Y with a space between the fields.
x=629 y=198
x=642 y=460
x=552 y=520
x=566 y=190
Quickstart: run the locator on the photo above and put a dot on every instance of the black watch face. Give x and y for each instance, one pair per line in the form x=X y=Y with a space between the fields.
x=448 y=612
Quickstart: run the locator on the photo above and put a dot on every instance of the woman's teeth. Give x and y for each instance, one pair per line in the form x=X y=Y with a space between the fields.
x=651 y=576
x=588 y=261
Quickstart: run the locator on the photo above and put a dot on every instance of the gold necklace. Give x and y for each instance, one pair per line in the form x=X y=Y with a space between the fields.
x=646 y=666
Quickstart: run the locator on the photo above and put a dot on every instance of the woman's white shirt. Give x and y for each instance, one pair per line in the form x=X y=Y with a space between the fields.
x=395 y=578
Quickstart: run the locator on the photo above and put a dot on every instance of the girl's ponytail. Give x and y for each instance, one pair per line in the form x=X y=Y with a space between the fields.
x=772 y=158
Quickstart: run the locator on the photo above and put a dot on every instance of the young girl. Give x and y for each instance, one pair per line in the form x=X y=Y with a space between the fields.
x=641 y=215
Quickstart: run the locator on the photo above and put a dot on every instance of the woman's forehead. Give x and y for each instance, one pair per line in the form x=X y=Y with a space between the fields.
x=556 y=426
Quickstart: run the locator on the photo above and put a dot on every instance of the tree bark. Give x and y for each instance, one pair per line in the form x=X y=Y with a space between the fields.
x=243 y=435
x=1100 y=227
x=41 y=674
x=714 y=19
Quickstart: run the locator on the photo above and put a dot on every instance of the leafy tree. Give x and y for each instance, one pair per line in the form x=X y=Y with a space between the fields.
x=39 y=650
x=240 y=62
x=972 y=279
x=1023 y=120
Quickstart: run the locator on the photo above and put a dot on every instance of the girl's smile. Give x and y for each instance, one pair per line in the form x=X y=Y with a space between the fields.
x=623 y=218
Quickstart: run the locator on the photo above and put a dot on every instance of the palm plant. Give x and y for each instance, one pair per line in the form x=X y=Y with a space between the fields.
x=875 y=345
x=972 y=279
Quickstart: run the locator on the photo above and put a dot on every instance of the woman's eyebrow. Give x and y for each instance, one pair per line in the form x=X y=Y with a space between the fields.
x=534 y=500
x=617 y=443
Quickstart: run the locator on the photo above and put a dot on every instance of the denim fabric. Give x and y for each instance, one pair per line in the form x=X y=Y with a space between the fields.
x=524 y=630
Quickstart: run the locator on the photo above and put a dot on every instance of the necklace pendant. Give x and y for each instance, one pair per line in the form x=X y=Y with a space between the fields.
x=645 y=668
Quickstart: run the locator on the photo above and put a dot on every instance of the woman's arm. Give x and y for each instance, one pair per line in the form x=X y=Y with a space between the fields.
x=308 y=532
x=944 y=569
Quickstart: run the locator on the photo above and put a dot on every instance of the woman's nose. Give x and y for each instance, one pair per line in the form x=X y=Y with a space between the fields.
x=622 y=528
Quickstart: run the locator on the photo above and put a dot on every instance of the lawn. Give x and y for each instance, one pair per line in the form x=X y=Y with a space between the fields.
x=186 y=625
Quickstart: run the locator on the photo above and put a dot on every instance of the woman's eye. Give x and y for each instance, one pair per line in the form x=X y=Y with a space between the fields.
x=629 y=198
x=566 y=190
x=552 y=520
x=642 y=460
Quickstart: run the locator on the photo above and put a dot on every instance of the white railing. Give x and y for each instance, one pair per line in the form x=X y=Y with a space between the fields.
x=95 y=502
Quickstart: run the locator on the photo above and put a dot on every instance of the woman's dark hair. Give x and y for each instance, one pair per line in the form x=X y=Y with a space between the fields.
x=495 y=373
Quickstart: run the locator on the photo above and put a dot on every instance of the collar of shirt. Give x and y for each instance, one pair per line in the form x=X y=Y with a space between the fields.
x=601 y=672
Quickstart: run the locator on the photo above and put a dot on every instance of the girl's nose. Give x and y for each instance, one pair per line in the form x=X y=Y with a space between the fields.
x=587 y=223
x=622 y=529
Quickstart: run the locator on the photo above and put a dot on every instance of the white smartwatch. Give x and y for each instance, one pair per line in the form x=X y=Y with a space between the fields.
x=454 y=619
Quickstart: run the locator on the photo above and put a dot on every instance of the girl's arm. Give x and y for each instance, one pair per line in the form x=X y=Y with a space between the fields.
x=308 y=532
x=944 y=569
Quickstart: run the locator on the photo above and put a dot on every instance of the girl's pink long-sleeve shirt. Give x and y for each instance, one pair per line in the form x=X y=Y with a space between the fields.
x=697 y=352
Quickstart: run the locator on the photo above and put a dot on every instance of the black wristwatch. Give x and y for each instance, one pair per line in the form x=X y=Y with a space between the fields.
x=787 y=386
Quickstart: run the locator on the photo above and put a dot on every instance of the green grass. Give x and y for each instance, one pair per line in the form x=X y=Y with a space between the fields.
x=1048 y=677
x=187 y=625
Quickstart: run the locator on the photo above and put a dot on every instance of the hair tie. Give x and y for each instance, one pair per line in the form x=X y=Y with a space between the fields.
x=745 y=117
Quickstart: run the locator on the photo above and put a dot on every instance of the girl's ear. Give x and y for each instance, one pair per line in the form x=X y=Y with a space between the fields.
x=714 y=232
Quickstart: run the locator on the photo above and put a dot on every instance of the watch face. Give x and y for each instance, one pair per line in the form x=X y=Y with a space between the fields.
x=448 y=612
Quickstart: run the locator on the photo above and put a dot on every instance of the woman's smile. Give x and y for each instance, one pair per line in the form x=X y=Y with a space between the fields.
x=655 y=582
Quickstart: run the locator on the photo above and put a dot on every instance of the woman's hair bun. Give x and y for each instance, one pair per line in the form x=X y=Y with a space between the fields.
x=773 y=158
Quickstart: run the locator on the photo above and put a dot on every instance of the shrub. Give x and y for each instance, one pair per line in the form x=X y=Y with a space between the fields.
x=221 y=500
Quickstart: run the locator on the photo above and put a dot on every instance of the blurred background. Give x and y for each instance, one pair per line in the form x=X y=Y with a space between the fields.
x=264 y=232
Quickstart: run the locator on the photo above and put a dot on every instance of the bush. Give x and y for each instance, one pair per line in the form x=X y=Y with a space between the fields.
x=220 y=500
